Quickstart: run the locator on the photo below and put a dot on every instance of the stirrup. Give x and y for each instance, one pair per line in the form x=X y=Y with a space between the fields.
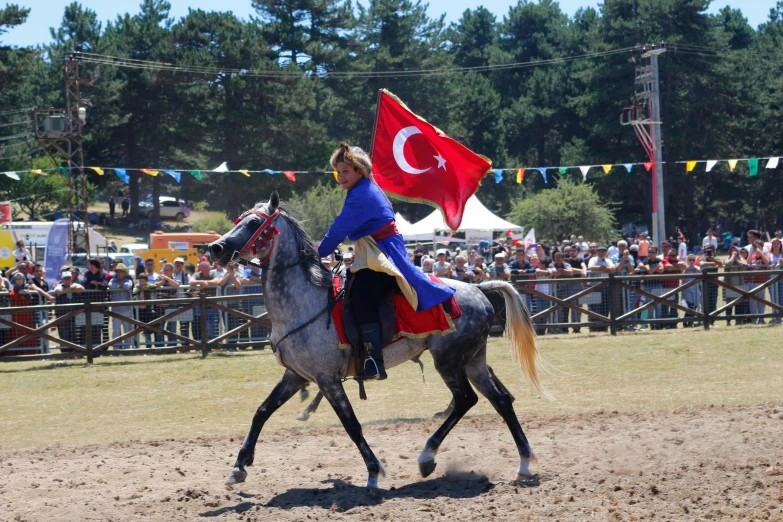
x=364 y=375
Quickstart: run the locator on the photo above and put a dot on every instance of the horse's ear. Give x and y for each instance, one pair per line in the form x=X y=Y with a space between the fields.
x=274 y=201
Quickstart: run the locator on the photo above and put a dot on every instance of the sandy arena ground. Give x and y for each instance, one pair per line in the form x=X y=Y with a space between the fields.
x=715 y=463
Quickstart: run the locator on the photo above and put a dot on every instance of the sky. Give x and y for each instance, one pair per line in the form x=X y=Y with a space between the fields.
x=48 y=13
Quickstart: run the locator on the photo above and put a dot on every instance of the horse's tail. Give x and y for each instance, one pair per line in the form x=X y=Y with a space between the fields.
x=520 y=330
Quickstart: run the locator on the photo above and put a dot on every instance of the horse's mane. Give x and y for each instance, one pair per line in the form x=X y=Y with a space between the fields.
x=320 y=276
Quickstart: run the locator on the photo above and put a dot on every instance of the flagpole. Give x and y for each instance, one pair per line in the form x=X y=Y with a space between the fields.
x=375 y=123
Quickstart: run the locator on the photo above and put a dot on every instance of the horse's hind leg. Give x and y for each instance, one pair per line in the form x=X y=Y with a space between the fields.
x=485 y=381
x=464 y=398
x=311 y=408
x=334 y=392
x=285 y=389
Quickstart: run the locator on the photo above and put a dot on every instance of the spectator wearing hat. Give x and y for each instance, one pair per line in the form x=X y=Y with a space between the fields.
x=441 y=267
x=499 y=270
x=179 y=274
x=600 y=266
x=65 y=293
x=121 y=289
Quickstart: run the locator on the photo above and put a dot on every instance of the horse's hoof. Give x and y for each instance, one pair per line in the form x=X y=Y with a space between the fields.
x=527 y=481
x=237 y=476
x=303 y=416
x=372 y=481
x=427 y=467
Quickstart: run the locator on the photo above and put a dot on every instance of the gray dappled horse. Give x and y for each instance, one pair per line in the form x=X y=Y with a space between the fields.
x=298 y=289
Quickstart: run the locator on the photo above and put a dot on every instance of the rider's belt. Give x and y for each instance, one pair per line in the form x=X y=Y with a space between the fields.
x=386 y=231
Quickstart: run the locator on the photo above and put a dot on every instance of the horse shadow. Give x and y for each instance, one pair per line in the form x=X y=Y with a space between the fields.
x=343 y=496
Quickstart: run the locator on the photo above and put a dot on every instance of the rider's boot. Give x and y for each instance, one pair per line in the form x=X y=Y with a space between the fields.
x=373 y=364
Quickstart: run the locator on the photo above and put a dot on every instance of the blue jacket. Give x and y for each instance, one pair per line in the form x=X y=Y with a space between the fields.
x=366 y=210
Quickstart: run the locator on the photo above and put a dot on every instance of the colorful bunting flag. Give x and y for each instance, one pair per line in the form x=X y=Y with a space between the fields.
x=498 y=175
x=772 y=163
x=606 y=168
x=39 y=172
x=222 y=168
x=197 y=174
x=98 y=170
x=290 y=174
x=563 y=171
x=520 y=175
x=174 y=174
x=542 y=170
x=732 y=164
x=753 y=166
x=647 y=165
x=710 y=164
x=12 y=175
x=690 y=165
x=150 y=172
x=65 y=171
x=123 y=175
x=334 y=173
x=270 y=171
x=628 y=167
x=585 y=169
x=244 y=173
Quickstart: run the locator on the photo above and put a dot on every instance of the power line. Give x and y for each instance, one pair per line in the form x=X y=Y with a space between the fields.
x=163 y=66
x=14 y=123
x=18 y=136
x=15 y=111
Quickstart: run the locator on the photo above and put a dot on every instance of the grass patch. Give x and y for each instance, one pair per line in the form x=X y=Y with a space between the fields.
x=183 y=396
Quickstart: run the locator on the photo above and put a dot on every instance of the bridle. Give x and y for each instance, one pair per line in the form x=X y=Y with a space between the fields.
x=256 y=242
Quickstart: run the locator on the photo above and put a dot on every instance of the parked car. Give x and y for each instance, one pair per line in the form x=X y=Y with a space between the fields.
x=132 y=248
x=172 y=208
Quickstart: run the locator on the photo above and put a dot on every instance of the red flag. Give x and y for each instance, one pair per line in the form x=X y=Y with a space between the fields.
x=290 y=174
x=415 y=161
x=5 y=212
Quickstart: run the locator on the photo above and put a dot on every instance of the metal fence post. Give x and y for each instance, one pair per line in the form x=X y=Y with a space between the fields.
x=612 y=309
x=705 y=299
x=88 y=330
x=203 y=321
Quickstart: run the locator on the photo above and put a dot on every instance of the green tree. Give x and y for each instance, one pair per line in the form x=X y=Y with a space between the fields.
x=318 y=207
x=570 y=208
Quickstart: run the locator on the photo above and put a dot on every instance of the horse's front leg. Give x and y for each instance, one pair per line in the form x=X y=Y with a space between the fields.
x=285 y=389
x=334 y=392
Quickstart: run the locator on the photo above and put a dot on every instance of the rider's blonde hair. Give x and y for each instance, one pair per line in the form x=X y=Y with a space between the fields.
x=353 y=156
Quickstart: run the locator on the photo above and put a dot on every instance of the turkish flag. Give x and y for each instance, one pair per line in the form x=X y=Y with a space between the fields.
x=5 y=212
x=415 y=161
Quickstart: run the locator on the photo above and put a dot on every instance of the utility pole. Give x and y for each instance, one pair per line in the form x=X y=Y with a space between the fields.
x=645 y=117
x=61 y=131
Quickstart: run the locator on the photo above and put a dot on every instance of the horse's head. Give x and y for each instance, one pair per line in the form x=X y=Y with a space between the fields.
x=252 y=236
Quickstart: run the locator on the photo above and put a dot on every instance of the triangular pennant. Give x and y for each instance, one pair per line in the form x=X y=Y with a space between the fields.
x=690 y=165
x=542 y=170
x=520 y=175
x=97 y=170
x=244 y=173
x=290 y=174
x=65 y=171
x=772 y=163
x=710 y=164
x=563 y=171
x=732 y=164
x=197 y=174
x=39 y=172
x=753 y=166
x=334 y=173
x=585 y=169
x=606 y=168
x=174 y=174
x=498 y=175
x=222 y=168
x=628 y=167
x=647 y=165
x=123 y=175
x=12 y=175
x=270 y=171
x=150 y=172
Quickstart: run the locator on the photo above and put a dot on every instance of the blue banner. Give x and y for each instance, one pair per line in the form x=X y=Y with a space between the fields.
x=498 y=175
x=56 y=251
x=173 y=173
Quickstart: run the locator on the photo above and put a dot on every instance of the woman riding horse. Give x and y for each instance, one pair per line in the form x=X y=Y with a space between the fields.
x=380 y=259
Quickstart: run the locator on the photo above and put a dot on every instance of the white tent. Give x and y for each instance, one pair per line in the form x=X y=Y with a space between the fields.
x=476 y=217
x=406 y=229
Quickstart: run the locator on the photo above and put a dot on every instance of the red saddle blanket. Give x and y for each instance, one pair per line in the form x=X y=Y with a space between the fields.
x=410 y=324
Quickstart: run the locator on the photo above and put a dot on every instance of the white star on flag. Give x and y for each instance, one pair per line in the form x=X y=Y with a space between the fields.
x=441 y=161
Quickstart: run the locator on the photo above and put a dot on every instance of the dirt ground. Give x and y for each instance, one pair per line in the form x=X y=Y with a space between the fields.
x=718 y=463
